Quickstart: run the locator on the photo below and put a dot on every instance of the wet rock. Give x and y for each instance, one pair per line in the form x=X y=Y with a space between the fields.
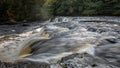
x=24 y=65
x=109 y=52
x=25 y=24
x=84 y=61
x=108 y=41
x=112 y=40
x=93 y=29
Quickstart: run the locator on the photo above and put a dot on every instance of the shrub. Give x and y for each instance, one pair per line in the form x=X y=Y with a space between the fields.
x=81 y=7
x=20 y=9
x=36 y=9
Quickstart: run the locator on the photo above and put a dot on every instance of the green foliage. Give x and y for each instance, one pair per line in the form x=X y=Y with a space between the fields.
x=20 y=9
x=36 y=9
x=82 y=7
x=49 y=8
x=92 y=7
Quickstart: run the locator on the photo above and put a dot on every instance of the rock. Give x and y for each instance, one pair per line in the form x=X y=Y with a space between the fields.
x=24 y=65
x=92 y=29
x=112 y=40
x=109 y=52
x=25 y=24
x=108 y=41
x=84 y=61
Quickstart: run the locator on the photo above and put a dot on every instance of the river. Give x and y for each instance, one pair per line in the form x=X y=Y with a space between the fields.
x=75 y=42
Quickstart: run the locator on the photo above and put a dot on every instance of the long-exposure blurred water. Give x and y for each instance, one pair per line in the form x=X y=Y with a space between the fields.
x=99 y=37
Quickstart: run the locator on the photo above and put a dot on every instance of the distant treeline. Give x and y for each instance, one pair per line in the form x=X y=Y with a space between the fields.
x=20 y=9
x=42 y=9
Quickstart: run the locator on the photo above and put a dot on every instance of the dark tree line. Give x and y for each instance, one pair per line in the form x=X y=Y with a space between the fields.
x=38 y=9
x=83 y=7
x=20 y=9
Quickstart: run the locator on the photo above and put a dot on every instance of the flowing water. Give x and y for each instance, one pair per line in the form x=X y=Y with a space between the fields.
x=97 y=36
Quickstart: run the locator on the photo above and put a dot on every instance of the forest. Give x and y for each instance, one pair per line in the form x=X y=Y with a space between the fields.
x=20 y=10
